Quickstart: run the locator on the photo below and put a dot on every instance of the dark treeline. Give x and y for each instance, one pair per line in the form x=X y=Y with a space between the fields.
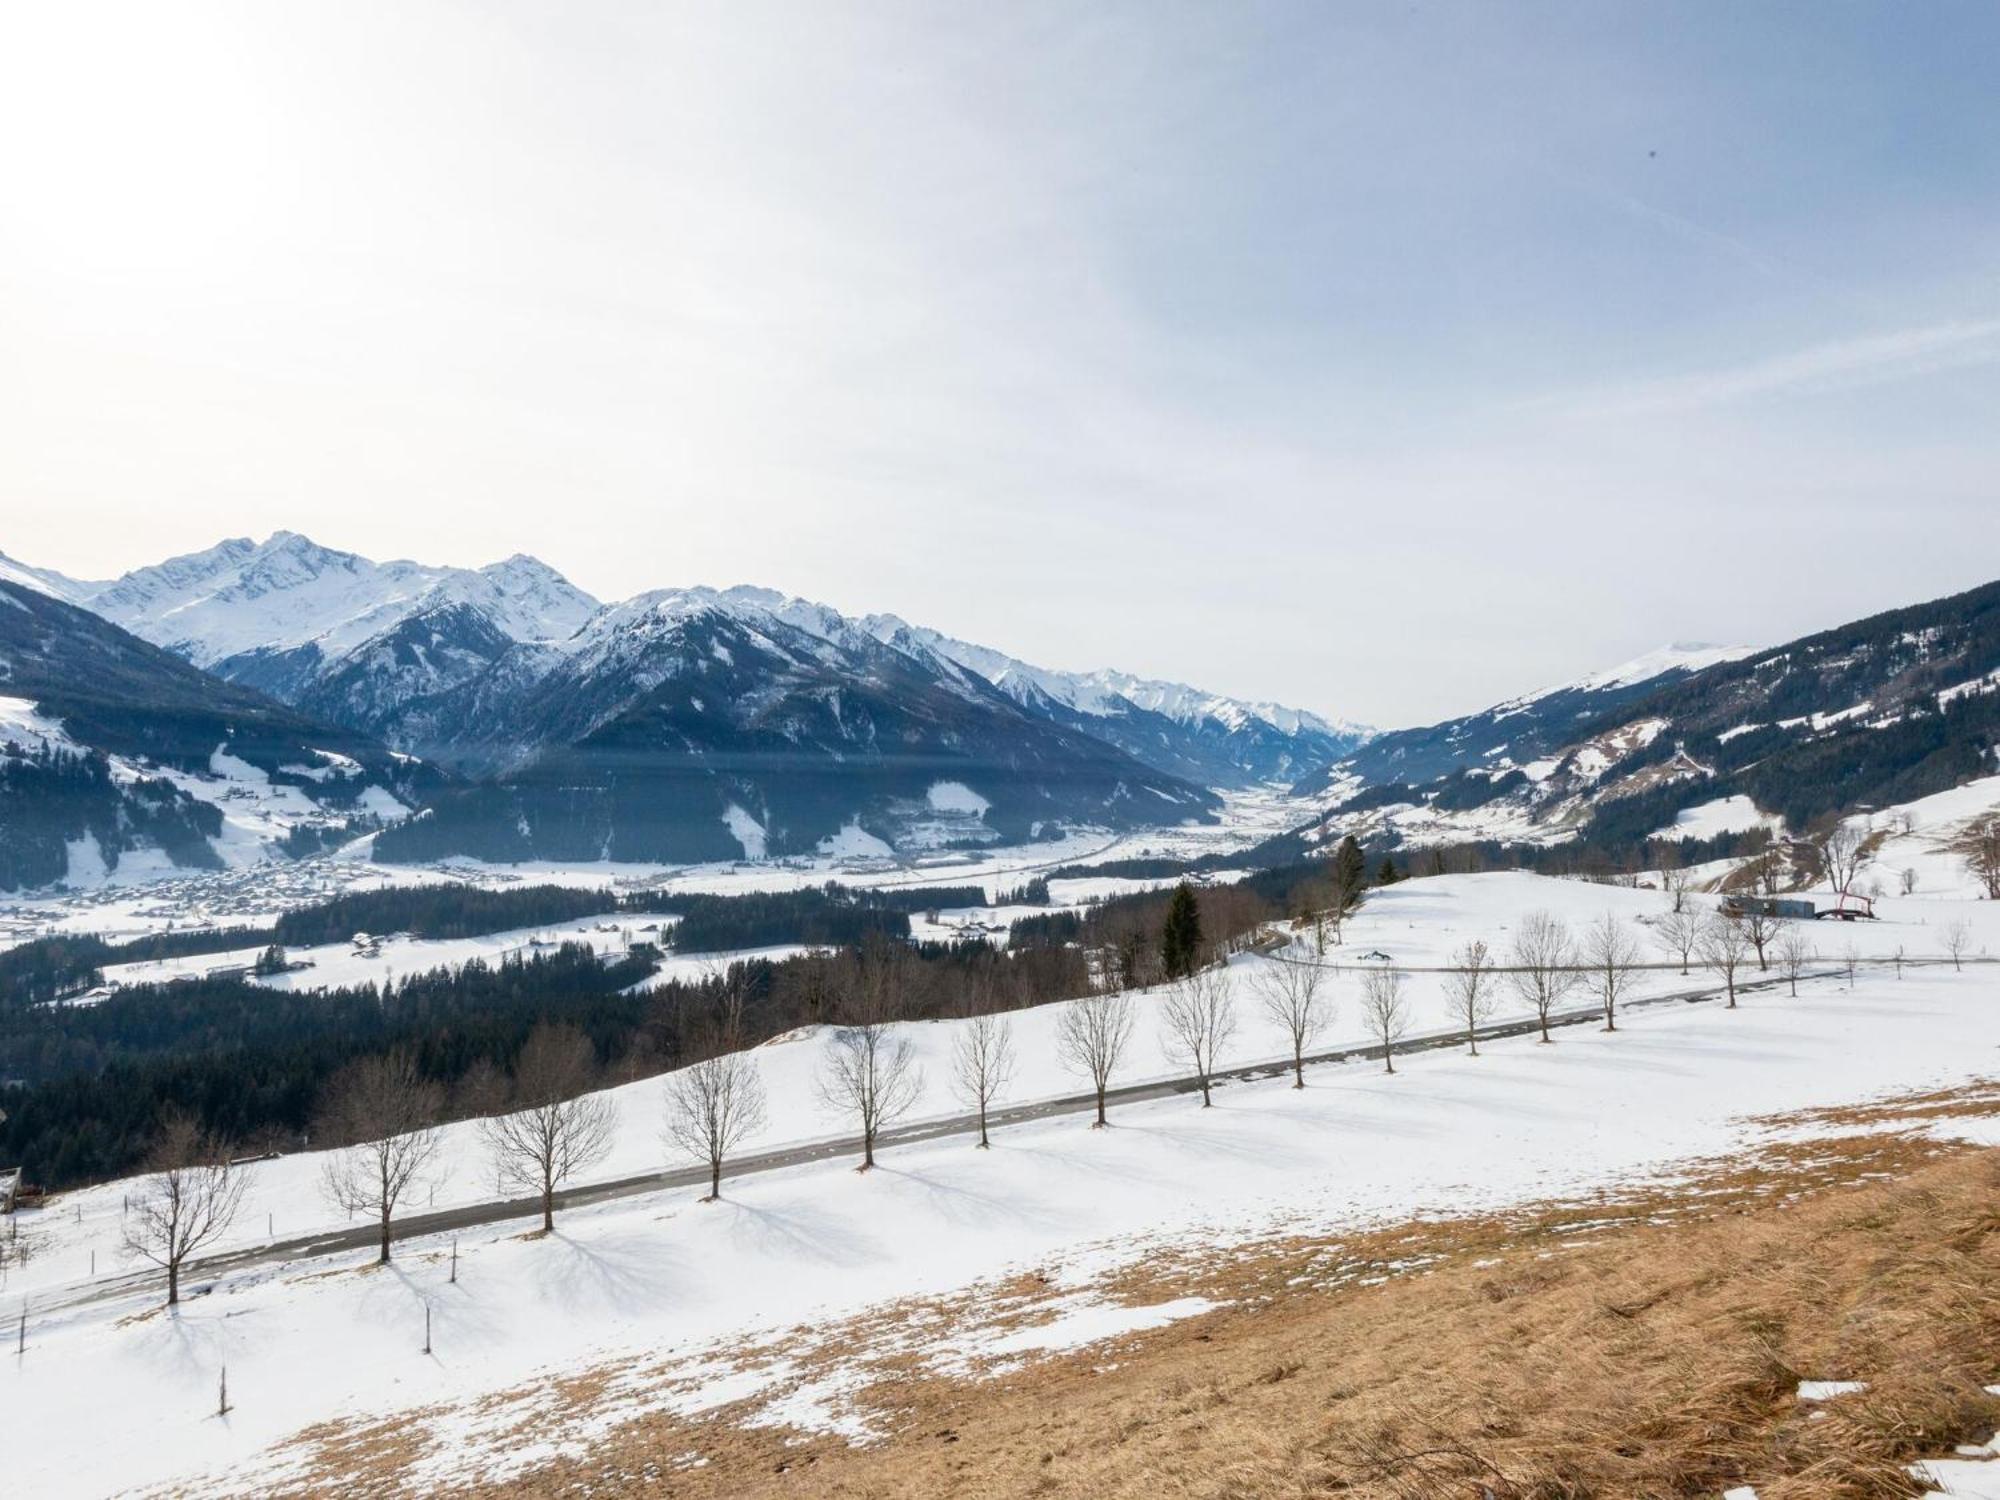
x=833 y=915
x=47 y=967
x=830 y=915
x=89 y=1082
x=53 y=967
x=819 y=916
x=439 y=911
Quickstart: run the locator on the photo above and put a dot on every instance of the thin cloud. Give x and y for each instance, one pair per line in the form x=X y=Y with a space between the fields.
x=1877 y=359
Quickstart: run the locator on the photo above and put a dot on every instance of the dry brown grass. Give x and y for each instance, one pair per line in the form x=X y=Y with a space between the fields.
x=1647 y=1344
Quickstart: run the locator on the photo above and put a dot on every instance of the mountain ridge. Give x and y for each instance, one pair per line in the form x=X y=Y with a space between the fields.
x=374 y=644
x=1874 y=712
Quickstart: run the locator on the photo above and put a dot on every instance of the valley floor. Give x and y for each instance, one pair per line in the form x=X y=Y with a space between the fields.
x=144 y=897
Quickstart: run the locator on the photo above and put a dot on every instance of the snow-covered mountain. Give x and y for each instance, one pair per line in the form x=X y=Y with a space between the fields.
x=116 y=756
x=1210 y=738
x=431 y=657
x=1517 y=731
x=338 y=635
x=40 y=580
x=692 y=724
x=1677 y=657
x=1714 y=743
x=242 y=598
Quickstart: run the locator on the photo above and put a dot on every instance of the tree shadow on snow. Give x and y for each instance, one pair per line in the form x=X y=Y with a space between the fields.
x=801 y=1234
x=963 y=1206
x=581 y=1277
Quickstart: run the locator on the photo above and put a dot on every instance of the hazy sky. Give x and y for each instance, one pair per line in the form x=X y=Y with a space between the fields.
x=1384 y=359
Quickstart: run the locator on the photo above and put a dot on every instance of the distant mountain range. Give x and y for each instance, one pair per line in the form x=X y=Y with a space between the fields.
x=280 y=694
x=1882 y=711
x=689 y=723
x=1518 y=731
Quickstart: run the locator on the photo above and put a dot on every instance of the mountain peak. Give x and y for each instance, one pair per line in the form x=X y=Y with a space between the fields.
x=289 y=591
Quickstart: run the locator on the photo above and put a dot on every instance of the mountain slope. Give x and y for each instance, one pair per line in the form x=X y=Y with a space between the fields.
x=687 y=725
x=1518 y=731
x=110 y=746
x=388 y=647
x=694 y=723
x=1206 y=737
x=1884 y=710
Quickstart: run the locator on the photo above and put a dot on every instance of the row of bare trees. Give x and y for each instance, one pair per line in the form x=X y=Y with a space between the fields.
x=382 y=1114
x=381 y=1119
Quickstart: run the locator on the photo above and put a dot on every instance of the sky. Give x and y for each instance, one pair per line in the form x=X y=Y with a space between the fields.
x=1385 y=360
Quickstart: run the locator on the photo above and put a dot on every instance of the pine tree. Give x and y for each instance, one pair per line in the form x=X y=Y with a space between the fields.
x=1350 y=871
x=1386 y=874
x=1180 y=939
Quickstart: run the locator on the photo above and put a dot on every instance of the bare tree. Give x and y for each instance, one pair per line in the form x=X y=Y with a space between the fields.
x=1759 y=926
x=1906 y=879
x=1795 y=952
x=1544 y=964
x=383 y=1113
x=716 y=1102
x=870 y=1072
x=1387 y=1012
x=1678 y=931
x=1675 y=881
x=713 y=1106
x=1292 y=995
x=1957 y=938
x=1982 y=854
x=982 y=1063
x=1612 y=954
x=1841 y=856
x=1848 y=959
x=1200 y=1018
x=189 y=1201
x=1091 y=1036
x=556 y=1129
x=481 y=1090
x=1468 y=987
x=1723 y=947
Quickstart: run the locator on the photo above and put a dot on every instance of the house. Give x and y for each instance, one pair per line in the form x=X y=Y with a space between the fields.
x=1794 y=908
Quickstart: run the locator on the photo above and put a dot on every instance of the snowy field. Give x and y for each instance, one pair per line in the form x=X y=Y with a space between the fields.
x=334 y=965
x=661 y=1275
x=1416 y=924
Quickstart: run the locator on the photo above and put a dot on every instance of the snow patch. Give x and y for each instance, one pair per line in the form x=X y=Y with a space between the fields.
x=1826 y=1390
x=956 y=797
x=747 y=831
x=854 y=842
x=1724 y=815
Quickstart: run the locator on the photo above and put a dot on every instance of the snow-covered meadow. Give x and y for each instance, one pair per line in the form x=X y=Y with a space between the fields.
x=1415 y=925
x=659 y=1273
